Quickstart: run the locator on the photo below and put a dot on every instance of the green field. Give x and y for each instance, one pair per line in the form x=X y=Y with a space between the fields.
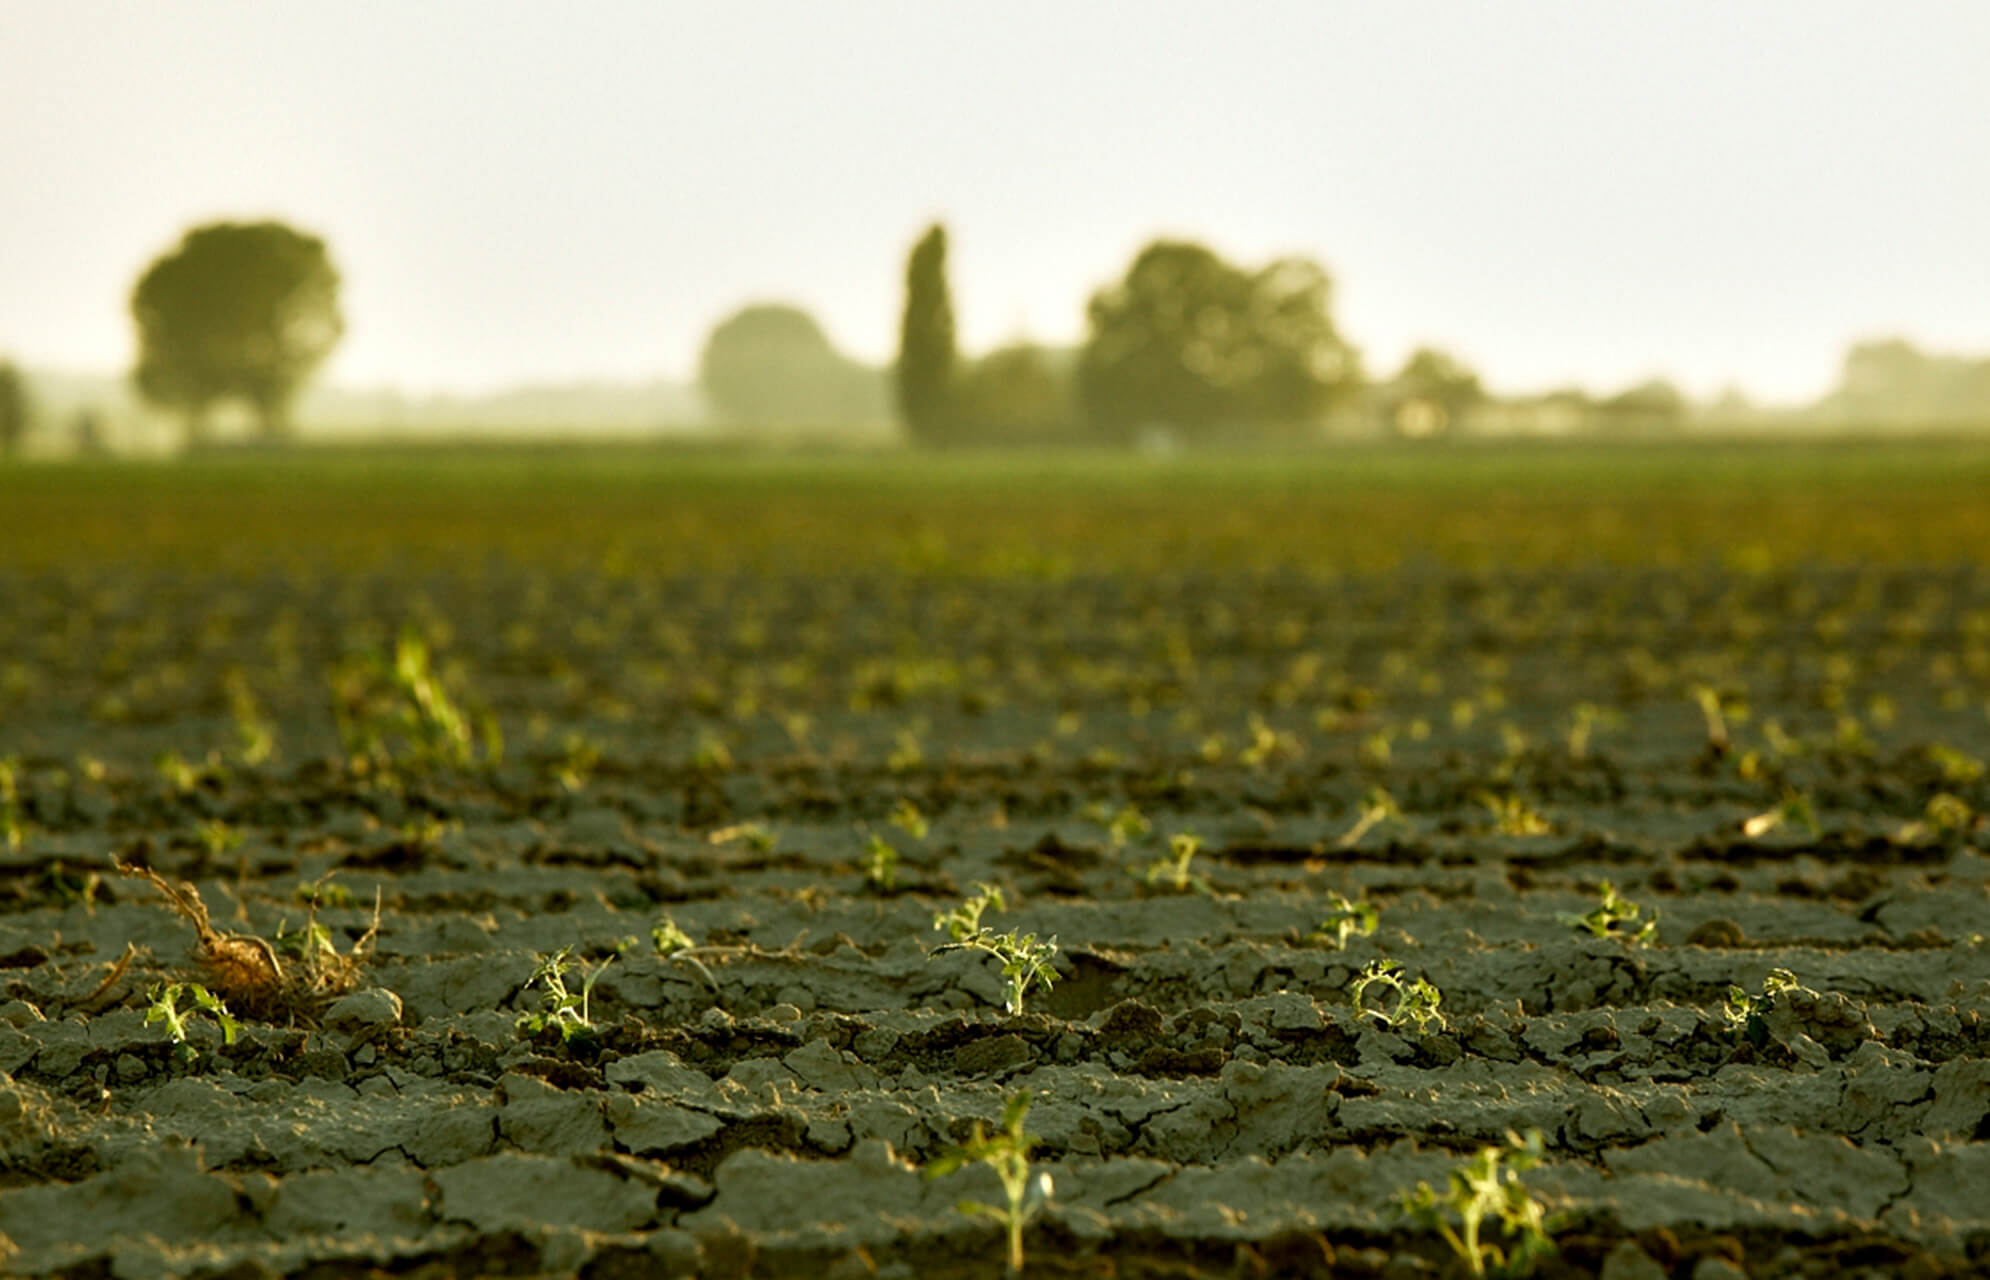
x=1366 y=507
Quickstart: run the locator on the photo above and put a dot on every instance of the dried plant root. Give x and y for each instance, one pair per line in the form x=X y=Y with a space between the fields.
x=244 y=969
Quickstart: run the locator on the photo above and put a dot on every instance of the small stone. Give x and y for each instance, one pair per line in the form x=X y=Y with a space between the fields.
x=993 y=1055
x=364 y=1010
x=1628 y=1262
x=1711 y=1268
x=1717 y=932
x=784 y=1013
x=19 y=1013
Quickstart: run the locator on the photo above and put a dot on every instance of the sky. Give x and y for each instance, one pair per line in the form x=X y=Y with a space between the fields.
x=1556 y=192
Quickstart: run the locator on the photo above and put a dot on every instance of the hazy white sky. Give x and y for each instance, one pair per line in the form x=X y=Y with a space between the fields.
x=1584 y=191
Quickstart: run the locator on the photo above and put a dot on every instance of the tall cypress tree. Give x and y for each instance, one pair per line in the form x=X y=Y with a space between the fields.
x=926 y=341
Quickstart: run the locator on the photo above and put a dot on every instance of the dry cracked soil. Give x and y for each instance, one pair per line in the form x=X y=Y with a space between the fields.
x=1474 y=754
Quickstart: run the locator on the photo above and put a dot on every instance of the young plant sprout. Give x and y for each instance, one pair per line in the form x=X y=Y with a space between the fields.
x=1126 y=826
x=255 y=738
x=1346 y=920
x=10 y=802
x=669 y=939
x=711 y=755
x=1614 y=916
x=165 y=1008
x=398 y=714
x=1744 y=1012
x=1582 y=723
x=217 y=837
x=1794 y=809
x=1025 y=959
x=907 y=818
x=1416 y=1002
x=880 y=864
x=964 y=921
x=1008 y=1154
x=1513 y=816
x=1718 y=742
x=1377 y=807
x=757 y=836
x=1485 y=1190
x=1947 y=817
x=559 y=1007
x=1173 y=870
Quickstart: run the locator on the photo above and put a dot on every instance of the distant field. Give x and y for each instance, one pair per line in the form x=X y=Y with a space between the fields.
x=1362 y=507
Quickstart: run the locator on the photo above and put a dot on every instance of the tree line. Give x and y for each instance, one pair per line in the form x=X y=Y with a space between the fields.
x=1185 y=347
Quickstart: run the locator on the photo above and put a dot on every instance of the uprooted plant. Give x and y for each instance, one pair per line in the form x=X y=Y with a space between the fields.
x=1416 y=1002
x=247 y=972
x=1488 y=1188
x=1008 y=1154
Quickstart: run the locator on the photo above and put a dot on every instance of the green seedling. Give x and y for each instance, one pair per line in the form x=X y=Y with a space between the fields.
x=217 y=837
x=558 y=1006
x=1126 y=826
x=907 y=818
x=711 y=754
x=1709 y=702
x=1958 y=768
x=1582 y=723
x=1947 y=817
x=1614 y=916
x=1488 y=1189
x=183 y=775
x=756 y=836
x=1793 y=810
x=10 y=802
x=1743 y=1012
x=1008 y=1154
x=165 y=1008
x=669 y=939
x=964 y=921
x=880 y=864
x=1267 y=744
x=1025 y=959
x=1416 y=1002
x=255 y=738
x=398 y=715
x=310 y=944
x=906 y=753
x=1513 y=816
x=324 y=892
x=1346 y=920
x=578 y=758
x=1172 y=871
x=1377 y=807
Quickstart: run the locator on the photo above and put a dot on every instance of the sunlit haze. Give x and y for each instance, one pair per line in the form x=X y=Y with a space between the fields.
x=1558 y=192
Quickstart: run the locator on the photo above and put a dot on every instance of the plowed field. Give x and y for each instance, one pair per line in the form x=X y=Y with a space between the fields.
x=419 y=730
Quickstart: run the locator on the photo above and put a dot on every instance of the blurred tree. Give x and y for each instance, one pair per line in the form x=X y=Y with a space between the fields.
x=771 y=365
x=247 y=310
x=1016 y=394
x=1893 y=382
x=1650 y=408
x=13 y=409
x=926 y=356
x=1432 y=395
x=1190 y=341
